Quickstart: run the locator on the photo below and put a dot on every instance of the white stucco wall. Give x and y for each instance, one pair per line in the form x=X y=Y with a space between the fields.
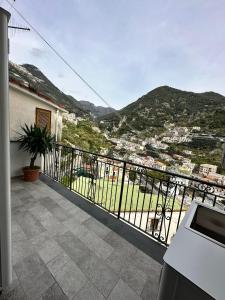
x=19 y=159
x=23 y=106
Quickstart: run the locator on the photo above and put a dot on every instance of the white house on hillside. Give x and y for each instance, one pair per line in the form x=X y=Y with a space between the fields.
x=205 y=169
x=28 y=107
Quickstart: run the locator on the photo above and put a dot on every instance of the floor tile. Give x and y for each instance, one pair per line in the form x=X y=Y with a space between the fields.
x=89 y=292
x=48 y=203
x=145 y=263
x=134 y=277
x=92 y=241
x=73 y=246
x=101 y=275
x=54 y=293
x=49 y=250
x=69 y=277
x=53 y=226
x=32 y=265
x=29 y=224
x=117 y=260
x=122 y=291
x=60 y=213
x=34 y=287
x=17 y=232
x=57 y=263
x=40 y=212
x=78 y=215
x=20 y=250
x=150 y=290
x=120 y=244
x=98 y=228
x=17 y=293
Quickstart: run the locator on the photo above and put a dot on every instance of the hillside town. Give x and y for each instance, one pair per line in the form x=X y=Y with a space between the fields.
x=154 y=152
x=161 y=151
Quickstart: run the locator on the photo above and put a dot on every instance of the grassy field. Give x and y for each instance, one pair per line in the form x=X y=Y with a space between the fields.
x=107 y=194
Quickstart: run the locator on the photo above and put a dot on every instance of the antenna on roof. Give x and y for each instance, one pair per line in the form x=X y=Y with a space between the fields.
x=17 y=27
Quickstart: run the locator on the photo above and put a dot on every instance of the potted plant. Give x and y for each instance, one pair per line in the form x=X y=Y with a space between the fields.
x=37 y=141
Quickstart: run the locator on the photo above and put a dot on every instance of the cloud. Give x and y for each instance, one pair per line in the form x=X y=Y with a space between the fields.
x=37 y=52
x=164 y=42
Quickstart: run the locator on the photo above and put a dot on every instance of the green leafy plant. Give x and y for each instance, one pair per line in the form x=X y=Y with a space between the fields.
x=36 y=141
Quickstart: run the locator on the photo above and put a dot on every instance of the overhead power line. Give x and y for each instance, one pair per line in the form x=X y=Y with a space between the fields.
x=66 y=62
x=58 y=54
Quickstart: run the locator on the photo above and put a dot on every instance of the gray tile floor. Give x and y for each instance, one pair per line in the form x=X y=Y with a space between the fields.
x=61 y=252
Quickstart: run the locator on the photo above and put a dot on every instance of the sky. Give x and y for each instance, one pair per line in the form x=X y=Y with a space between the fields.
x=123 y=48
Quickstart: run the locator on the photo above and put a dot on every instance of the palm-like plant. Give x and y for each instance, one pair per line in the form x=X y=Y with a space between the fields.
x=36 y=141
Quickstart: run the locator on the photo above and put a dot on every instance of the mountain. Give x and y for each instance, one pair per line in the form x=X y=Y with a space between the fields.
x=165 y=105
x=31 y=77
x=96 y=111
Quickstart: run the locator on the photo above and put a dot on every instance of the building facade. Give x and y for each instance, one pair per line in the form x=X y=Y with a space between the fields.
x=27 y=107
x=205 y=169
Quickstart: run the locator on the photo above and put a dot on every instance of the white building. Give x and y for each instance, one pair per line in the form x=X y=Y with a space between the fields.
x=71 y=117
x=205 y=169
x=189 y=165
x=27 y=107
x=159 y=165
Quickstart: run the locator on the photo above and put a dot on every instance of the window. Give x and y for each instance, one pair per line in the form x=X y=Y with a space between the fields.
x=43 y=118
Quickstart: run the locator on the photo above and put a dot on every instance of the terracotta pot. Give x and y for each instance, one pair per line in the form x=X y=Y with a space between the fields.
x=30 y=175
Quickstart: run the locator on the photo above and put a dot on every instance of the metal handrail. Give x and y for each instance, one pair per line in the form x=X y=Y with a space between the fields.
x=153 y=205
x=146 y=167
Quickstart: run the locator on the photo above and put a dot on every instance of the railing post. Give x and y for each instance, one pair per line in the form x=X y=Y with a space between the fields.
x=44 y=169
x=71 y=170
x=121 y=191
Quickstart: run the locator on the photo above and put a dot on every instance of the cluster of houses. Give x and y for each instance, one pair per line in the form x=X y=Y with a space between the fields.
x=147 y=161
x=155 y=143
x=180 y=164
x=122 y=143
x=177 y=135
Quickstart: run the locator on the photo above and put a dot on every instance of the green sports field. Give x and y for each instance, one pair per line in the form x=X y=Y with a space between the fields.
x=107 y=194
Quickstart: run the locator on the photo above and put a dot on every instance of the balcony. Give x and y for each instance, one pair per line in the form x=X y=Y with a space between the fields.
x=150 y=200
x=94 y=227
x=67 y=248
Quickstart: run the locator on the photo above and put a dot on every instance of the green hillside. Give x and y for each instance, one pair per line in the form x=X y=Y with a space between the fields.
x=168 y=105
x=84 y=135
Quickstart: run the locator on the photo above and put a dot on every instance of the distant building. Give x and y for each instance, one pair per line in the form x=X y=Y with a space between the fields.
x=159 y=165
x=196 y=128
x=189 y=165
x=187 y=152
x=148 y=161
x=218 y=178
x=179 y=157
x=69 y=116
x=205 y=169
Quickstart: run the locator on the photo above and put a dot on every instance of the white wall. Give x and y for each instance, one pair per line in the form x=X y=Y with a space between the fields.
x=23 y=106
x=19 y=159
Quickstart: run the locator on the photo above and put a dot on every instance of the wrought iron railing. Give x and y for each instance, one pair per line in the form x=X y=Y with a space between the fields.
x=151 y=200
